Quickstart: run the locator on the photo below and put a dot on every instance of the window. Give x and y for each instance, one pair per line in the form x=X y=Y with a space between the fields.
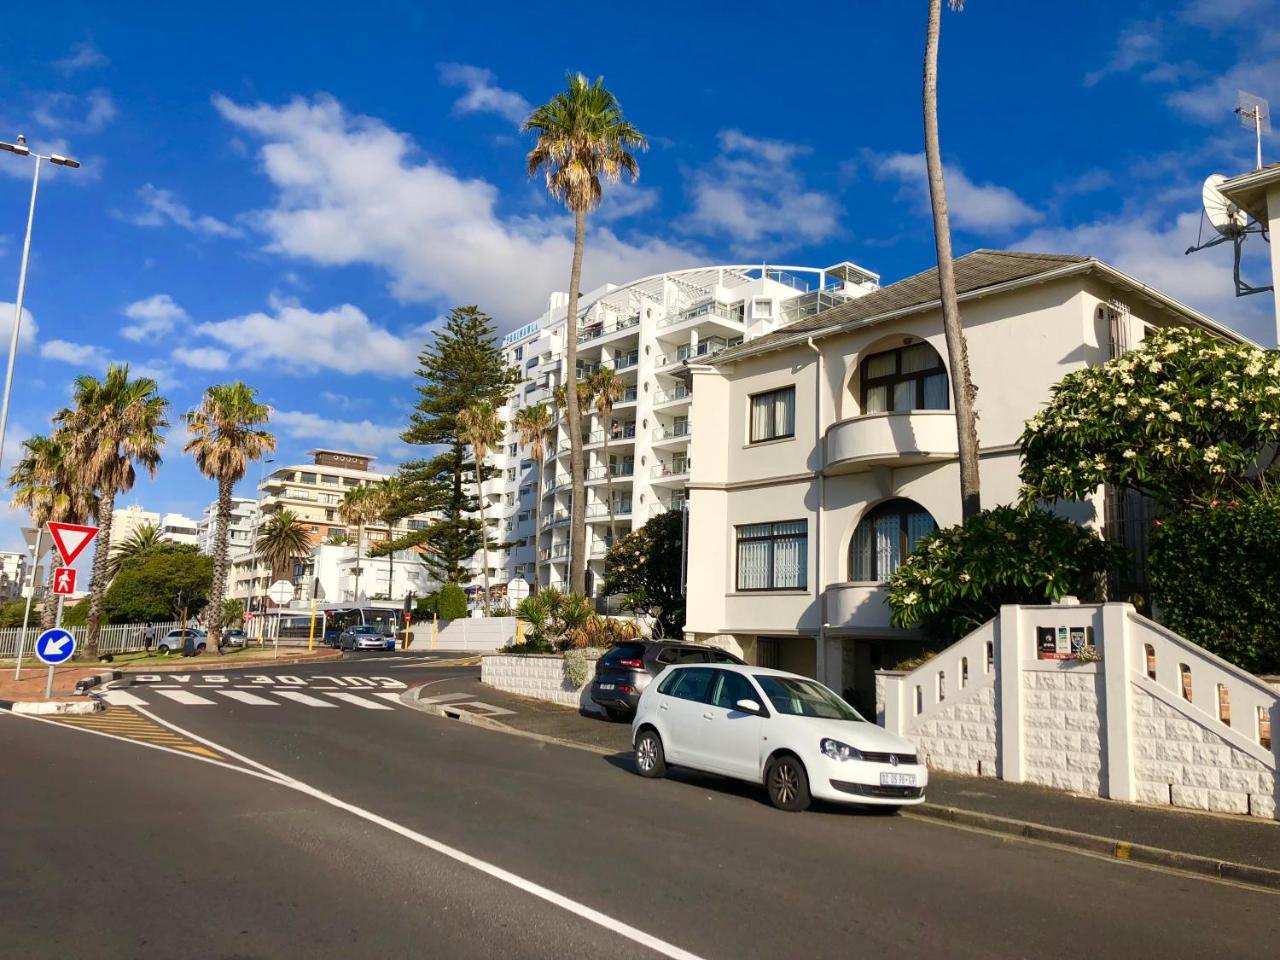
x=682 y=655
x=796 y=697
x=762 y=309
x=519 y=353
x=885 y=537
x=773 y=556
x=307 y=477
x=773 y=415
x=909 y=378
x=693 y=684
x=729 y=688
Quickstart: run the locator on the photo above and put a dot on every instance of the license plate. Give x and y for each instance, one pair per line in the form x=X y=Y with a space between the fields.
x=897 y=779
x=607 y=686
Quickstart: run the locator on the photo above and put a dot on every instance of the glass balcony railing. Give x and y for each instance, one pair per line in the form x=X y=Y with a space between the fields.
x=675 y=431
x=679 y=392
x=595 y=331
x=732 y=312
x=617 y=470
x=676 y=468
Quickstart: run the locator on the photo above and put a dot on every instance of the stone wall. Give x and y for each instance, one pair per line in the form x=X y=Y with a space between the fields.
x=540 y=677
x=1062 y=741
x=961 y=736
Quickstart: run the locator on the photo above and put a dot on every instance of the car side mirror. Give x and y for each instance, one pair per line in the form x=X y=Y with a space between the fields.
x=749 y=706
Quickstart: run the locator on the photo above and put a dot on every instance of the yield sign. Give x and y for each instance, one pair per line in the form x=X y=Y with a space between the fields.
x=71 y=539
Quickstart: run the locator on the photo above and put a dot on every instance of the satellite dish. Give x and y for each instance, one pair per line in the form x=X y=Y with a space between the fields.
x=1226 y=217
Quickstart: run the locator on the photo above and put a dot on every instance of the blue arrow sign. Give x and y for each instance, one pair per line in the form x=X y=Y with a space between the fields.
x=55 y=646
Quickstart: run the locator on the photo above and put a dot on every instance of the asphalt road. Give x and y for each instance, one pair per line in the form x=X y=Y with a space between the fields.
x=143 y=853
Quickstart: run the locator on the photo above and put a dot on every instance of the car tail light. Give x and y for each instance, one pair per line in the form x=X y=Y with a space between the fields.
x=624 y=688
x=632 y=664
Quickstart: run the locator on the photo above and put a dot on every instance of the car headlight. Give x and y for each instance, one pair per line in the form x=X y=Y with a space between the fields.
x=838 y=751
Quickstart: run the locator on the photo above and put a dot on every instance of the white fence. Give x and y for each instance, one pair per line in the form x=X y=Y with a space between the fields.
x=1143 y=715
x=112 y=637
x=472 y=634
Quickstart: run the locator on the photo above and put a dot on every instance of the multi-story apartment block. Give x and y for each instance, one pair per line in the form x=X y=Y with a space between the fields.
x=174 y=527
x=244 y=514
x=13 y=574
x=830 y=450
x=180 y=529
x=650 y=331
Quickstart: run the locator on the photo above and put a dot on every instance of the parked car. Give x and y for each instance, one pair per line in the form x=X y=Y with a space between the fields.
x=783 y=730
x=234 y=638
x=365 y=637
x=627 y=668
x=178 y=639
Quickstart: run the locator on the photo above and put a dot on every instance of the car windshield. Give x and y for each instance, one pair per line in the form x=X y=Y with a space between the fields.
x=366 y=629
x=805 y=698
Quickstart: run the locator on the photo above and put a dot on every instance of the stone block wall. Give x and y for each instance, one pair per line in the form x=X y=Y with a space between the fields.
x=960 y=736
x=1183 y=763
x=1062 y=724
x=537 y=676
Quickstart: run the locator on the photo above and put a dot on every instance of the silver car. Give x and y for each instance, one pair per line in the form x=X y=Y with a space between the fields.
x=365 y=637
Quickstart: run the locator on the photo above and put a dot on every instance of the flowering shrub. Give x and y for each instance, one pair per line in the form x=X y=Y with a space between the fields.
x=1214 y=576
x=958 y=577
x=1185 y=419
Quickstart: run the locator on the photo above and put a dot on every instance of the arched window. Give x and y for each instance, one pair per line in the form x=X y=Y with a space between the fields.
x=909 y=378
x=886 y=536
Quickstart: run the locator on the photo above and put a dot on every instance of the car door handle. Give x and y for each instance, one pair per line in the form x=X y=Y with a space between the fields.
x=662 y=706
x=708 y=716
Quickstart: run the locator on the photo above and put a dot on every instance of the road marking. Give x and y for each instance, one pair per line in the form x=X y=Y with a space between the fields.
x=385 y=695
x=182 y=696
x=123 y=698
x=304 y=698
x=250 y=698
x=444 y=698
x=358 y=701
x=613 y=925
x=126 y=724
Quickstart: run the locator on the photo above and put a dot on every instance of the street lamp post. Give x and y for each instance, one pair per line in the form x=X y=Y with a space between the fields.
x=253 y=544
x=22 y=150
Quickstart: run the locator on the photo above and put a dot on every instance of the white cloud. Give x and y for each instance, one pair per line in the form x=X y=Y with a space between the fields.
x=976 y=207
x=1139 y=44
x=80 y=354
x=752 y=195
x=351 y=434
x=83 y=56
x=66 y=111
x=623 y=199
x=202 y=358
x=481 y=94
x=341 y=338
x=350 y=191
x=161 y=207
x=26 y=333
x=152 y=317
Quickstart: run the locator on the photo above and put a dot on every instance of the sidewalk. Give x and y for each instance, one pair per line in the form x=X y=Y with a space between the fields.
x=1127 y=831
x=35 y=674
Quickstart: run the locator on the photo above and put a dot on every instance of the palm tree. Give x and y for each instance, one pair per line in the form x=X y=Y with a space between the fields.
x=390 y=506
x=358 y=507
x=144 y=539
x=481 y=427
x=582 y=136
x=114 y=422
x=46 y=483
x=282 y=540
x=962 y=388
x=533 y=424
x=606 y=389
x=225 y=436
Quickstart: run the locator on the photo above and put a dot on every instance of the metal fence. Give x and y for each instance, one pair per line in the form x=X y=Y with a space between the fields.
x=112 y=638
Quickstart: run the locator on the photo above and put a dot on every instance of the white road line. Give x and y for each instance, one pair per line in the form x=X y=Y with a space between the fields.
x=386 y=695
x=183 y=696
x=123 y=698
x=251 y=698
x=303 y=698
x=358 y=701
x=625 y=930
x=444 y=698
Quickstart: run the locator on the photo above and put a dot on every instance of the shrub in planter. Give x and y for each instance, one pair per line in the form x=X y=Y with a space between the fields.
x=451 y=602
x=1214 y=574
x=958 y=578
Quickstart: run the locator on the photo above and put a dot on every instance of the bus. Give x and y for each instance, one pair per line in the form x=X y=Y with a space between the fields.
x=388 y=621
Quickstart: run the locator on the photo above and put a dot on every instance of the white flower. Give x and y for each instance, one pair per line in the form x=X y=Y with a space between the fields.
x=1184 y=443
x=1210 y=454
x=1130 y=454
x=911 y=598
x=965 y=578
x=1121 y=400
x=1175 y=416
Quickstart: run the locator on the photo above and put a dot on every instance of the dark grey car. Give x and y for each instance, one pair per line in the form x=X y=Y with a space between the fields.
x=626 y=669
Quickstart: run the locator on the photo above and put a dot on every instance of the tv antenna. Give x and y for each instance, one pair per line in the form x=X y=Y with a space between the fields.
x=1230 y=223
x=1255 y=113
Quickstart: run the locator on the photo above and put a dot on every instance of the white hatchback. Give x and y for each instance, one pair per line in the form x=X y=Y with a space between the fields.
x=783 y=730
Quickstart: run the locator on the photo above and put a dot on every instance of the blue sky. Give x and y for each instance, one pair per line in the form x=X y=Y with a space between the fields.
x=294 y=196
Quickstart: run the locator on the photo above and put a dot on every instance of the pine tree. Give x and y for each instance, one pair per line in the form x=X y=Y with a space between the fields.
x=462 y=366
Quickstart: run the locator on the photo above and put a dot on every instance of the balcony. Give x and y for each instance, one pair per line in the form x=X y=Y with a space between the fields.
x=677 y=431
x=680 y=392
x=891 y=440
x=618 y=471
x=858 y=606
x=732 y=312
x=676 y=470
x=595 y=331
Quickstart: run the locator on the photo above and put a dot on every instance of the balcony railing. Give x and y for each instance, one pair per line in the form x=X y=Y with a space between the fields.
x=704 y=349
x=628 y=396
x=673 y=432
x=679 y=392
x=808 y=304
x=626 y=431
x=595 y=332
x=626 y=361
x=707 y=308
x=899 y=439
x=617 y=470
x=677 y=468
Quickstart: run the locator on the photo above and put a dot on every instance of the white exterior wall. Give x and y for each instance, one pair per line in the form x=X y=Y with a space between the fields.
x=125 y=520
x=239 y=528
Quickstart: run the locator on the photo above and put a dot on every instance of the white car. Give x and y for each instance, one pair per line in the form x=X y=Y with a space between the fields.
x=177 y=639
x=783 y=730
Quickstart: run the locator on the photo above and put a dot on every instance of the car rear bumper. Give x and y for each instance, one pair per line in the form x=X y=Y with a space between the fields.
x=622 y=697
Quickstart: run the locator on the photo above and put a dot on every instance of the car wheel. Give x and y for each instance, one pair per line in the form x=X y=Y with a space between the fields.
x=163 y=648
x=199 y=646
x=650 y=759
x=616 y=714
x=788 y=784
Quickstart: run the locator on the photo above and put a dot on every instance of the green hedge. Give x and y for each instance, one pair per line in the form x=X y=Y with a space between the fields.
x=451 y=603
x=1214 y=577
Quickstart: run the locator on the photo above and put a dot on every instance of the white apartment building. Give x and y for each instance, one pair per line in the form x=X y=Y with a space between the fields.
x=650 y=331
x=244 y=512
x=314 y=492
x=178 y=528
x=331 y=571
x=174 y=527
x=823 y=451
x=13 y=573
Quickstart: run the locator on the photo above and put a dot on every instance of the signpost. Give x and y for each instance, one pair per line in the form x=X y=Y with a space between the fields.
x=57 y=645
x=64 y=581
x=280 y=592
x=517 y=589
x=53 y=647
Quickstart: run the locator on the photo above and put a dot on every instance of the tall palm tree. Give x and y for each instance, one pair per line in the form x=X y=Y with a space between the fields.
x=282 y=540
x=390 y=496
x=358 y=507
x=225 y=435
x=606 y=389
x=113 y=423
x=47 y=484
x=962 y=388
x=142 y=540
x=533 y=424
x=582 y=136
x=480 y=426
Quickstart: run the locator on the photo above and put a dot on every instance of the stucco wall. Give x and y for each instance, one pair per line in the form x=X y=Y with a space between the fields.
x=538 y=677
